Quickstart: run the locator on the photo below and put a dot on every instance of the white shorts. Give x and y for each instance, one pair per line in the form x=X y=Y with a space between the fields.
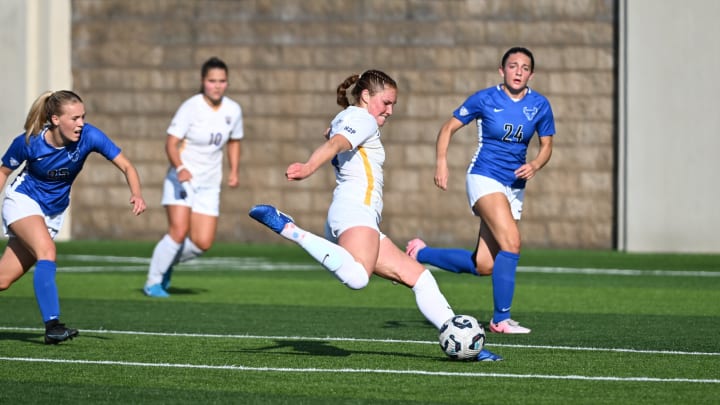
x=478 y=186
x=17 y=206
x=201 y=199
x=343 y=215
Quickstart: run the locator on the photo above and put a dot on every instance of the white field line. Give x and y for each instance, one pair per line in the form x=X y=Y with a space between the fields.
x=362 y=371
x=124 y=263
x=364 y=340
x=140 y=264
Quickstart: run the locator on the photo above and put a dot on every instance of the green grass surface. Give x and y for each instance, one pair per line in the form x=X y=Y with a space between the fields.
x=264 y=324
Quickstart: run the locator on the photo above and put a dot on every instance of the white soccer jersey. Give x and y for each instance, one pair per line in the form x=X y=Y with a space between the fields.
x=204 y=132
x=358 y=171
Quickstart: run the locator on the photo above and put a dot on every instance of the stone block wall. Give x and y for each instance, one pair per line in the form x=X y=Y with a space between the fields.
x=135 y=61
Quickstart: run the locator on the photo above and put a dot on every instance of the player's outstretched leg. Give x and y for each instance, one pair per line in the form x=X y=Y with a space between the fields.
x=448 y=259
x=332 y=257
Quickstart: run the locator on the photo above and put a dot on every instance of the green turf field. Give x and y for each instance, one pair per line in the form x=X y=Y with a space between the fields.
x=264 y=324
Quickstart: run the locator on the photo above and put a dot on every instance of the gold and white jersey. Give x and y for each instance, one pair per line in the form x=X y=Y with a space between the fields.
x=359 y=171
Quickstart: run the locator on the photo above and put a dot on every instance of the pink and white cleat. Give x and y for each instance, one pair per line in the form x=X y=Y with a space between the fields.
x=414 y=246
x=508 y=326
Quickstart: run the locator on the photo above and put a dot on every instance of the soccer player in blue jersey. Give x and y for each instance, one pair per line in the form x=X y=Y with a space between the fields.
x=507 y=116
x=354 y=248
x=53 y=149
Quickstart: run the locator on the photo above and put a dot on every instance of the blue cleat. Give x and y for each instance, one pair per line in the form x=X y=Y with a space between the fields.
x=155 y=291
x=270 y=217
x=165 y=283
x=487 y=355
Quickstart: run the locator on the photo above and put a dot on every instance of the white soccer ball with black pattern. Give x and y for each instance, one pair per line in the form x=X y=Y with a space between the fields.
x=462 y=337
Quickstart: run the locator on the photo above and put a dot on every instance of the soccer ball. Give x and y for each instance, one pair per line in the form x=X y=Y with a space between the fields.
x=462 y=337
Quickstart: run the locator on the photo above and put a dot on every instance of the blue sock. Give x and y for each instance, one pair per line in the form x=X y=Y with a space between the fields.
x=46 y=292
x=454 y=260
x=503 y=281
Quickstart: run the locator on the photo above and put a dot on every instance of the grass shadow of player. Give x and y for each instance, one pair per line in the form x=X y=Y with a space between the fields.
x=36 y=338
x=186 y=291
x=317 y=348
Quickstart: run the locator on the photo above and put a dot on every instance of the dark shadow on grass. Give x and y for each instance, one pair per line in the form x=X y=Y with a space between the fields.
x=316 y=348
x=407 y=324
x=186 y=291
x=182 y=291
x=94 y=337
x=38 y=338
x=22 y=337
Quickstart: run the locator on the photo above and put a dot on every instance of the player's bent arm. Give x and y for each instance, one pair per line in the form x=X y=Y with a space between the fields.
x=441 y=147
x=172 y=151
x=173 y=154
x=323 y=154
x=528 y=170
x=544 y=153
x=133 y=181
x=234 y=149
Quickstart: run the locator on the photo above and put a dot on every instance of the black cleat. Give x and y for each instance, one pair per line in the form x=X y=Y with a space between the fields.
x=56 y=332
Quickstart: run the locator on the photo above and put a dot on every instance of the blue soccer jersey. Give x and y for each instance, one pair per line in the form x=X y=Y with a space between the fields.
x=49 y=171
x=505 y=128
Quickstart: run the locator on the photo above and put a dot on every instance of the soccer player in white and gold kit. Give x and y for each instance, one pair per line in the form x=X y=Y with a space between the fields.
x=354 y=248
x=202 y=126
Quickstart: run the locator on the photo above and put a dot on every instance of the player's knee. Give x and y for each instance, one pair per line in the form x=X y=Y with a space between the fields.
x=483 y=270
x=358 y=281
x=511 y=245
x=483 y=265
x=5 y=284
x=203 y=245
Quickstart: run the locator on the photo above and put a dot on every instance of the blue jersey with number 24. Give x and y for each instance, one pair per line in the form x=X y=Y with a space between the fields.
x=49 y=171
x=505 y=127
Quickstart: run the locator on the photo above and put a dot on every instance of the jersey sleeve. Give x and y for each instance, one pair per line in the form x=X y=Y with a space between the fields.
x=102 y=144
x=237 y=130
x=16 y=154
x=546 y=126
x=470 y=109
x=180 y=123
x=357 y=129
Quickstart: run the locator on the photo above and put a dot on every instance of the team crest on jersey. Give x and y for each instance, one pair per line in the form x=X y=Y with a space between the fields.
x=73 y=155
x=228 y=119
x=463 y=111
x=530 y=112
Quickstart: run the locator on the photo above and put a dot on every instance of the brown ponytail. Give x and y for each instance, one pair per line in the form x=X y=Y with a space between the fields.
x=372 y=80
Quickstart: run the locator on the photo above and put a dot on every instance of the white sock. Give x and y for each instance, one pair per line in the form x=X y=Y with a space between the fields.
x=163 y=257
x=333 y=257
x=189 y=251
x=431 y=301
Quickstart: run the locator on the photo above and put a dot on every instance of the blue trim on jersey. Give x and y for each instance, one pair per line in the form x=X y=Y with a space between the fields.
x=505 y=128
x=49 y=172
